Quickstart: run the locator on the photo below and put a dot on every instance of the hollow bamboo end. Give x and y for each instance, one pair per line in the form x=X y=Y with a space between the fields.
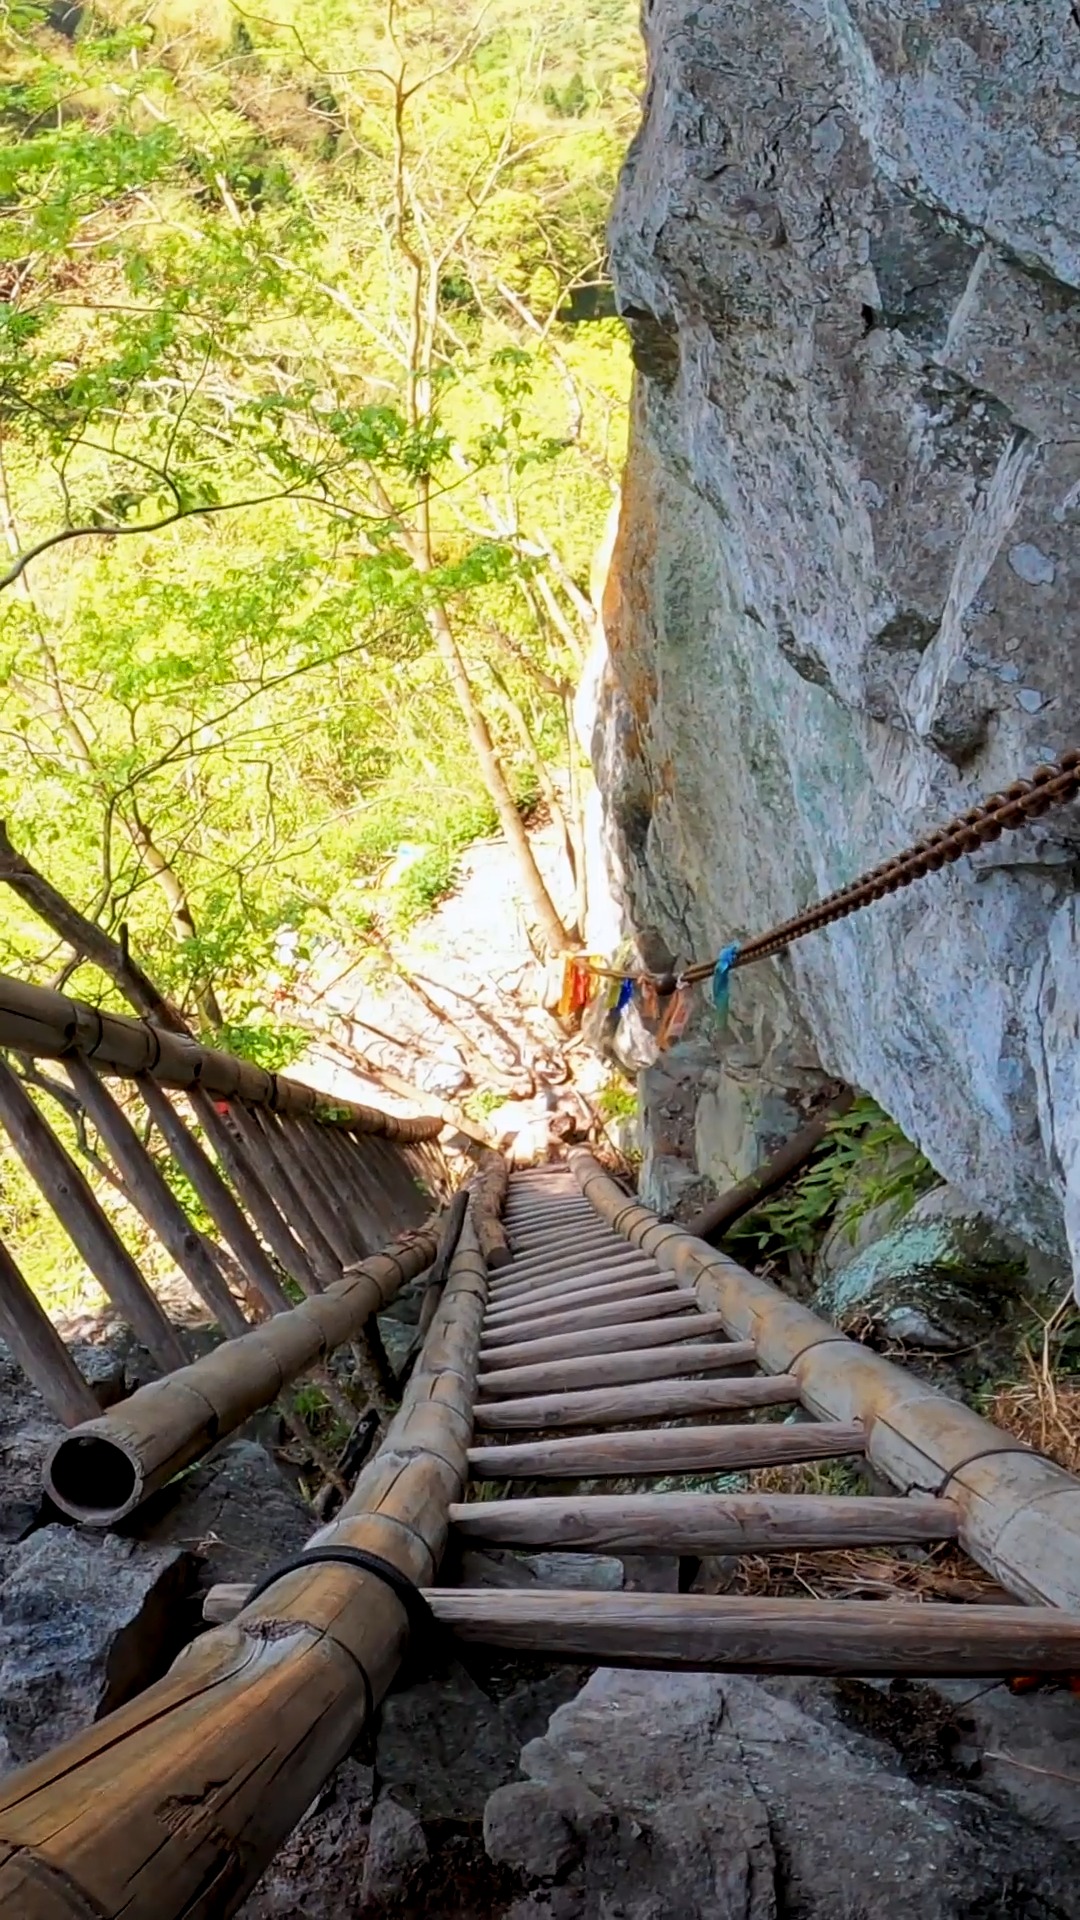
x=93 y=1479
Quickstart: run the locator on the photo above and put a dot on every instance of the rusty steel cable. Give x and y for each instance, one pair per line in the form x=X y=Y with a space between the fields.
x=1007 y=812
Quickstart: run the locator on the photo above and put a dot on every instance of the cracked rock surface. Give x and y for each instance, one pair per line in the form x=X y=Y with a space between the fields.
x=733 y=1799
x=845 y=601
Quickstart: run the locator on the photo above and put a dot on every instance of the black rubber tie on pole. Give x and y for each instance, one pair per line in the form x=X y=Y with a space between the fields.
x=421 y=1619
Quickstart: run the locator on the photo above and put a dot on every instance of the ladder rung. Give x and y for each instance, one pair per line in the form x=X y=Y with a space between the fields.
x=651 y=1400
x=584 y=1294
x=617 y=1313
x=697 y=1523
x=668 y=1450
x=642 y=1333
x=705 y=1633
x=614 y=1369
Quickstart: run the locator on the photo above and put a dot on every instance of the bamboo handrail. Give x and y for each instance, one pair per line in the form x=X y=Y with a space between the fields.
x=39 y=1021
x=103 y=1469
x=1019 y=1513
x=177 y=1802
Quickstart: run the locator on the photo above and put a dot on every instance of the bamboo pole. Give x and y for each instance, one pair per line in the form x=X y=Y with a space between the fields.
x=316 y=1147
x=515 y=1284
x=668 y=1450
x=175 y=1804
x=255 y=1196
x=287 y=1152
x=37 y=1348
x=714 y=1220
x=220 y=1203
x=702 y=1523
x=611 y=1369
x=692 y=1632
x=283 y=1183
x=49 y=1025
x=106 y=1467
x=73 y=1201
x=154 y=1199
x=1019 y=1513
x=494 y=1173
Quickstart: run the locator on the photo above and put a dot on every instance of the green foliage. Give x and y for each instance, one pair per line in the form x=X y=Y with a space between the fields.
x=275 y=1047
x=424 y=884
x=208 y=302
x=866 y=1163
x=617 y=1101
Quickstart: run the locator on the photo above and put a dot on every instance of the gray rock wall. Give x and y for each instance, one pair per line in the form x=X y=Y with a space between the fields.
x=845 y=599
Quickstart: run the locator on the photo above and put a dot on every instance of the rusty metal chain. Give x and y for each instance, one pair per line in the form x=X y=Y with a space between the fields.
x=1025 y=800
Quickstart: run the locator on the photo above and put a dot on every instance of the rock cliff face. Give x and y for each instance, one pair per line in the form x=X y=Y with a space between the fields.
x=845 y=600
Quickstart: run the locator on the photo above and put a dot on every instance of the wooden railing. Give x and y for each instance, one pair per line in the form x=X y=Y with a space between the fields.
x=299 y=1188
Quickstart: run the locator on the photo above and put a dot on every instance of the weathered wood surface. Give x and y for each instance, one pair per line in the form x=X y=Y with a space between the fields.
x=285 y=1172
x=700 y=1523
x=620 y=1406
x=559 y=1260
x=486 y=1211
x=71 y=1198
x=641 y=1305
x=150 y=1194
x=701 y=1633
x=602 y=1294
x=218 y=1199
x=613 y=1369
x=720 y=1214
x=49 y=1025
x=1020 y=1514
x=247 y=1178
x=106 y=1467
x=36 y=1347
x=668 y=1450
x=624 y=1339
x=173 y=1806
x=627 y=1267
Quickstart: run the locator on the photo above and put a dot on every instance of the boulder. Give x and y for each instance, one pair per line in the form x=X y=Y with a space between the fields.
x=843 y=602
x=945 y=1277
x=725 y=1798
x=86 y=1621
x=447 y=1744
x=319 y=1871
x=236 y=1512
x=396 y=1855
x=27 y=1431
x=503 y=1567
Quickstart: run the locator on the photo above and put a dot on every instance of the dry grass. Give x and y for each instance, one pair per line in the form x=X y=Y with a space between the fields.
x=1043 y=1408
x=867 y=1573
x=861 y=1573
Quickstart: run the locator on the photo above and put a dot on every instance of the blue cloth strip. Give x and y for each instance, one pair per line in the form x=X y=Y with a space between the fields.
x=721 y=980
x=626 y=994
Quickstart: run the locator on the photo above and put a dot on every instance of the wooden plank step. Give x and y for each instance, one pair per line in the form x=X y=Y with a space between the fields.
x=698 y=1523
x=692 y=1632
x=614 y=1369
x=618 y=1406
x=570 y=1346
x=607 y=1266
x=584 y=1294
x=642 y=1306
x=526 y=1263
x=668 y=1450
x=542 y=1289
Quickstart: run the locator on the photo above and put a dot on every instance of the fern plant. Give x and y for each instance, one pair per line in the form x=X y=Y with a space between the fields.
x=866 y=1163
